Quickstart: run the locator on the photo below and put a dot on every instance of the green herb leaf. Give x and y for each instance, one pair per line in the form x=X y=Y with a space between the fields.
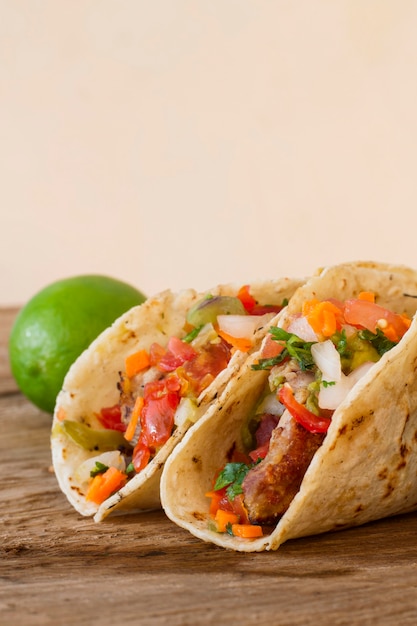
x=294 y=347
x=341 y=344
x=328 y=383
x=380 y=342
x=232 y=477
x=99 y=468
x=130 y=468
x=192 y=334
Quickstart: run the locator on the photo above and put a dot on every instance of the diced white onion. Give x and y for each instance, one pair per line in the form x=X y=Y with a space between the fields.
x=187 y=410
x=327 y=359
x=331 y=396
x=271 y=404
x=206 y=334
x=113 y=458
x=299 y=326
x=241 y=326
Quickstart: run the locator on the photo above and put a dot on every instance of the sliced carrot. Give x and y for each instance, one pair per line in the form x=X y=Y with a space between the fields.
x=367 y=295
x=136 y=362
x=324 y=317
x=247 y=531
x=309 y=306
x=216 y=497
x=223 y=518
x=134 y=418
x=103 y=485
x=240 y=343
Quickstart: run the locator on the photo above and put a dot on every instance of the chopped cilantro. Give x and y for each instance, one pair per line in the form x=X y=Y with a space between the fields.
x=328 y=383
x=232 y=477
x=380 y=342
x=229 y=529
x=99 y=468
x=294 y=347
x=130 y=468
x=341 y=343
x=192 y=334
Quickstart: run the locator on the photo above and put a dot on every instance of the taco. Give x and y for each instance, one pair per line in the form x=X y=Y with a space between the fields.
x=130 y=397
x=318 y=430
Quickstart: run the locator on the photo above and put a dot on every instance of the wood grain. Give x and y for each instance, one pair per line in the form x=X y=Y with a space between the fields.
x=59 y=568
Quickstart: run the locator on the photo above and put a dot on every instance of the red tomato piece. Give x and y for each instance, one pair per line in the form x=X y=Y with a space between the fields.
x=202 y=370
x=246 y=299
x=372 y=316
x=157 y=417
x=307 y=419
x=238 y=507
x=178 y=352
x=156 y=352
x=111 y=417
x=260 y=452
x=271 y=347
x=141 y=455
x=262 y=309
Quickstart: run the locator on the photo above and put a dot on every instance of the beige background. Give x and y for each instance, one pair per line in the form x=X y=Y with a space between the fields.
x=177 y=143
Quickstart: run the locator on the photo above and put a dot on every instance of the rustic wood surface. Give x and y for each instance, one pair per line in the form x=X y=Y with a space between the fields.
x=59 y=568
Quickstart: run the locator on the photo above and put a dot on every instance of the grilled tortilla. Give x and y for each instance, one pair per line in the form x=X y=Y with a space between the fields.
x=83 y=445
x=361 y=469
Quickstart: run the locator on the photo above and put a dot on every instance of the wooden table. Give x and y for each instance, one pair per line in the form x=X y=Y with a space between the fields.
x=59 y=568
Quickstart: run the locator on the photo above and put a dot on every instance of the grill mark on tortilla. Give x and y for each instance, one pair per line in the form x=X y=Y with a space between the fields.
x=383 y=474
x=389 y=490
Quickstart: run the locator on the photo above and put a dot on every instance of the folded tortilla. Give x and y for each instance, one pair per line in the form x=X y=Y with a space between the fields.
x=92 y=383
x=365 y=468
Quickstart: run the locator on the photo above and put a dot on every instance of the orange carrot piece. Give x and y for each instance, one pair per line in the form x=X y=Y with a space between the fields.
x=103 y=485
x=136 y=362
x=215 y=501
x=240 y=343
x=247 y=531
x=309 y=306
x=223 y=518
x=134 y=418
x=367 y=295
x=324 y=317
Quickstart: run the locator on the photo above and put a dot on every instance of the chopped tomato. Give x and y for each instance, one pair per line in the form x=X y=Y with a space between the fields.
x=178 y=352
x=156 y=352
x=141 y=455
x=247 y=299
x=371 y=316
x=260 y=452
x=263 y=309
x=307 y=419
x=157 y=418
x=271 y=348
x=202 y=370
x=111 y=417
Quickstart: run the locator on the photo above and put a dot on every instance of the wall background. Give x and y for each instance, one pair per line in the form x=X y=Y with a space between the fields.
x=179 y=143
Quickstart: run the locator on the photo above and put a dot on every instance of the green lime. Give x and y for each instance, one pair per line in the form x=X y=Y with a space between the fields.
x=57 y=324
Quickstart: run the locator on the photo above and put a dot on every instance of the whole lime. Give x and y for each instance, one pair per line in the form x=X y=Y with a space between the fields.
x=57 y=324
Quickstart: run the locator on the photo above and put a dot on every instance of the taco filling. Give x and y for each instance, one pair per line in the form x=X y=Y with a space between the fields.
x=160 y=389
x=313 y=364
